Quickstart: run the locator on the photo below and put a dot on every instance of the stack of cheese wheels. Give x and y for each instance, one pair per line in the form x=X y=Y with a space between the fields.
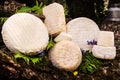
x=105 y=47
x=83 y=30
x=65 y=55
x=26 y=33
x=54 y=18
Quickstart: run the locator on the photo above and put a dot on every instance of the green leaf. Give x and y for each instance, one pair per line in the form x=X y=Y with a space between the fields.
x=38 y=8
x=27 y=58
x=3 y=19
x=24 y=9
x=50 y=44
x=66 y=11
x=34 y=60
x=89 y=63
x=37 y=4
x=93 y=66
x=90 y=69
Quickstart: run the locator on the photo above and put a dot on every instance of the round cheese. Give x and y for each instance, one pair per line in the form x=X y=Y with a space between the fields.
x=54 y=18
x=63 y=36
x=83 y=30
x=103 y=52
x=26 y=33
x=65 y=55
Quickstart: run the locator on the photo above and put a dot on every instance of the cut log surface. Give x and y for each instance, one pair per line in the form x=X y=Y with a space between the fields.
x=25 y=33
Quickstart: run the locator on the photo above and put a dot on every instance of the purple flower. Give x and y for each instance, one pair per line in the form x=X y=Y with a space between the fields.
x=93 y=42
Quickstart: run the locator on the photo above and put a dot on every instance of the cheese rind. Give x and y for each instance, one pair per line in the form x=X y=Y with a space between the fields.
x=54 y=18
x=65 y=55
x=106 y=38
x=26 y=33
x=82 y=30
x=103 y=52
x=83 y=37
x=63 y=36
x=81 y=24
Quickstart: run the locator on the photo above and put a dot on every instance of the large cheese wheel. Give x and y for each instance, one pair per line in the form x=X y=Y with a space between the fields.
x=106 y=38
x=54 y=18
x=25 y=33
x=103 y=52
x=65 y=55
x=82 y=30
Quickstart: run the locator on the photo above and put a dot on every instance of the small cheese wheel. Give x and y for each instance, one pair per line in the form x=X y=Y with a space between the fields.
x=26 y=33
x=103 y=52
x=106 y=38
x=82 y=30
x=65 y=55
x=54 y=18
x=63 y=36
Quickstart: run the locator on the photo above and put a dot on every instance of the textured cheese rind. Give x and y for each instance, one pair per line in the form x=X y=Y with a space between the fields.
x=81 y=24
x=63 y=36
x=81 y=38
x=83 y=29
x=65 y=55
x=25 y=33
x=54 y=18
x=106 y=38
x=103 y=52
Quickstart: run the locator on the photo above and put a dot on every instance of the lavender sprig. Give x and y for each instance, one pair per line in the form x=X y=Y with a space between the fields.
x=93 y=42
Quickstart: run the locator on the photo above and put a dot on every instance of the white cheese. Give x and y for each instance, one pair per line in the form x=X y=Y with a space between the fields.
x=63 y=36
x=65 y=55
x=54 y=18
x=103 y=52
x=106 y=38
x=81 y=24
x=82 y=30
x=25 y=33
x=83 y=37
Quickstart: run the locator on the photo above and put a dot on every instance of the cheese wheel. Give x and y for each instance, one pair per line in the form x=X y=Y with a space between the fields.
x=106 y=38
x=54 y=18
x=103 y=52
x=25 y=33
x=65 y=55
x=83 y=38
x=63 y=36
x=82 y=30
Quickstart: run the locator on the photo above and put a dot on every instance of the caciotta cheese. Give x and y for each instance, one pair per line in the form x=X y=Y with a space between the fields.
x=63 y=36
x=106 y=38
x=82 y=30
x=25 y=33
x=103 y=52
x=65 y=55
x=54 y=18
